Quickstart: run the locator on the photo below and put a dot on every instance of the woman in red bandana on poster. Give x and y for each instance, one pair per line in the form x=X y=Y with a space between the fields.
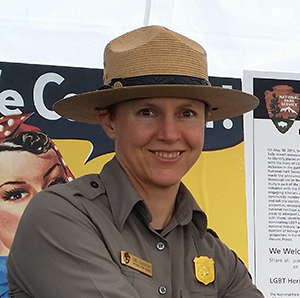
x=29 y=162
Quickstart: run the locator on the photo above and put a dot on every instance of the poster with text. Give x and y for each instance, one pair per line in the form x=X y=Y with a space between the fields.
x=272 y=148
x=38 y=148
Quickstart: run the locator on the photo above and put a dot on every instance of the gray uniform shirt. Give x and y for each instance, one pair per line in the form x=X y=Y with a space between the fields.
x=70 y=238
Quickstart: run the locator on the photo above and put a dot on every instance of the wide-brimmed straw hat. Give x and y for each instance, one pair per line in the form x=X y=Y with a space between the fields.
x=154 y=61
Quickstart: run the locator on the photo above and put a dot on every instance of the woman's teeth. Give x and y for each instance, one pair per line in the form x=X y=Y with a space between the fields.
x=167 y=155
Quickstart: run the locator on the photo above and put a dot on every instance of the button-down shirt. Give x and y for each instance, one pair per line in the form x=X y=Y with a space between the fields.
x=70 y=239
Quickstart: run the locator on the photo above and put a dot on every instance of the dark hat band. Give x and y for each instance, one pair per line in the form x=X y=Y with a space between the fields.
x=155 y=80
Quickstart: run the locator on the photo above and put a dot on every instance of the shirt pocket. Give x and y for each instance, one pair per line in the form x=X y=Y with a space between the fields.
x=143 y=284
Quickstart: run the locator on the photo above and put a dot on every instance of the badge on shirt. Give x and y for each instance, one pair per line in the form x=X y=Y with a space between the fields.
x=136 y=263
x=204 y=269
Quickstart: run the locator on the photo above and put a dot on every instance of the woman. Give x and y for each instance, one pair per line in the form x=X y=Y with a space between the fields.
x=29 y=162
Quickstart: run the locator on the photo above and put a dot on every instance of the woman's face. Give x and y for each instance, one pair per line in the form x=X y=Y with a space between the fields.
x=157 y=140
x=22 y=175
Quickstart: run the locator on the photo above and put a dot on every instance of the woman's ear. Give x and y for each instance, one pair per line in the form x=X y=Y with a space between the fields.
x=207 y=115
x=107 y=123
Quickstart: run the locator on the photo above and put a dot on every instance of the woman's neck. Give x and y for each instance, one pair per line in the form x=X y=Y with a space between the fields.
x=161 y=202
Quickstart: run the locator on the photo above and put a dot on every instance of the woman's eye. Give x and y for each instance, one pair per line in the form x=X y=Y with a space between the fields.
x=14 y=195
x=188 y=113
x=146 y=112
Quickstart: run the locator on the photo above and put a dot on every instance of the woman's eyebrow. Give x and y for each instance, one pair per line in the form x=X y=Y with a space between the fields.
x=23 y=182
x=51 y=169
x=145 y=103
x=12 y=182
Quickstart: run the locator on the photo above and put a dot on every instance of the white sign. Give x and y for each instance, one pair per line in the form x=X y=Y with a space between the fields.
x=272 y=146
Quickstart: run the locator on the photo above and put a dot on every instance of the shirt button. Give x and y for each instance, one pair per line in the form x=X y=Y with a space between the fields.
x=162 y=290
x=160 y=245
x=94 y=184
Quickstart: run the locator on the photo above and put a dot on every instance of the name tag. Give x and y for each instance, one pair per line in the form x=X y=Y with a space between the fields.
x=136 y=263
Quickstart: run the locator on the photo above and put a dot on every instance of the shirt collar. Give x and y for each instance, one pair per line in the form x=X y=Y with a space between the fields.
x=124 y=198
x=121 y=194
x=187 y=210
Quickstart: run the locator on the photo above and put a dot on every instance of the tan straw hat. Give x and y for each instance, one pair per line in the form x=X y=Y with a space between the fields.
x=154 y=61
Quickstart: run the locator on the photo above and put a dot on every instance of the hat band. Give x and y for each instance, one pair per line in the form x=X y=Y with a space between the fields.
x=155 y=80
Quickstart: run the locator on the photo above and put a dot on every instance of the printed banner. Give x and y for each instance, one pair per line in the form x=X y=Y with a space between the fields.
x=275 y=175
x=54 y=150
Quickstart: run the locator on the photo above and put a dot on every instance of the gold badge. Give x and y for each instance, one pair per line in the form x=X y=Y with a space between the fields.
x=136 y=263
x=204 y=269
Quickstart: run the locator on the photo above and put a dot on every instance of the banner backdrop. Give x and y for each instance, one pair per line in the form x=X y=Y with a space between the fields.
x=217 y=180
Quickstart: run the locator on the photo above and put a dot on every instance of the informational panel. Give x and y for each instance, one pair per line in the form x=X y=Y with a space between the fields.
x=273 y=150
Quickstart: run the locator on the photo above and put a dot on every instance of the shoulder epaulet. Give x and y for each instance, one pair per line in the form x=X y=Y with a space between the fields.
x=211 y=231
x=88 y=186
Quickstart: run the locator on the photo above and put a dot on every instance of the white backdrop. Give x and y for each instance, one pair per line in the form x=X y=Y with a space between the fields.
x=237 y=35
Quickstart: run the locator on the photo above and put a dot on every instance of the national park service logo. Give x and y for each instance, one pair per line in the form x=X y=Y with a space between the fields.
x=204 y=269
x=283 y=106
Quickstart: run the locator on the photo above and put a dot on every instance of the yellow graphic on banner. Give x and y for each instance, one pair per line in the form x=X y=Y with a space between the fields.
x=217 y=181
x=204 y=269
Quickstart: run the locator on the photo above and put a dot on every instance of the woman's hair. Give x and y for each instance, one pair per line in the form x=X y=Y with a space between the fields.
x=15 y=135
x=111 y=109
x=35 y=142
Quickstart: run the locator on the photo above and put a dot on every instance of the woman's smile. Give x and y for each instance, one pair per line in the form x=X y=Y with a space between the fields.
x=167 y=155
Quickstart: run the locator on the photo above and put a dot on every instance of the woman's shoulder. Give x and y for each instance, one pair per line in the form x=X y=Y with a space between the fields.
x=62 y=197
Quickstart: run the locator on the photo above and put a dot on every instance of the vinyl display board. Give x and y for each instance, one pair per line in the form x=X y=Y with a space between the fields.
x=27 y=93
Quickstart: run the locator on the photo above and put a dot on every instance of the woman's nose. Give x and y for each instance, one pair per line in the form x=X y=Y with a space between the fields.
x=169 y=130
